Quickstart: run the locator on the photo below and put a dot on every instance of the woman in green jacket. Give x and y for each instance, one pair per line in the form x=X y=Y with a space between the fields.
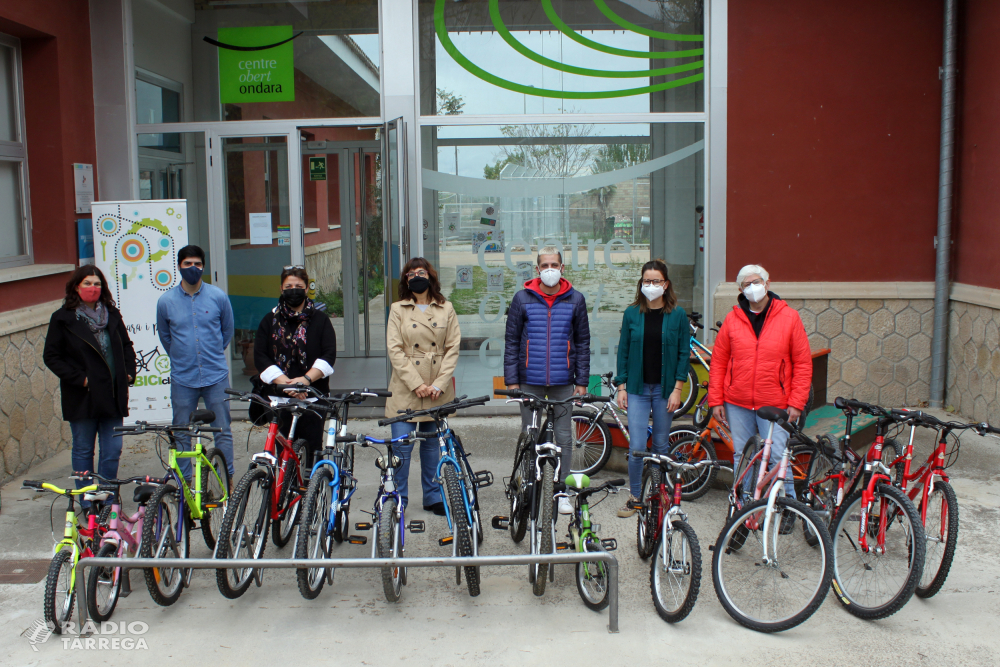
x=652 y=366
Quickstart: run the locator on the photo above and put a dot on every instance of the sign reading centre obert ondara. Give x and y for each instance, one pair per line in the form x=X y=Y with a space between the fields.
x=256 y=64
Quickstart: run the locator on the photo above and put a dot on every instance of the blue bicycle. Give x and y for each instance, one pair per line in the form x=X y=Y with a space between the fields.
x=459 y=484
x=327 y=501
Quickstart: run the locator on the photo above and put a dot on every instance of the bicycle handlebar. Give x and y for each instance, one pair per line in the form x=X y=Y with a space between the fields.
x=437 y=412
x=920 y=418
x=519 y=395
x=674 y=463
x=143 y=427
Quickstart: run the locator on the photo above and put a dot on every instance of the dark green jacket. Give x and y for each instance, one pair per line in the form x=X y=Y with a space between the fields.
x=676 y=350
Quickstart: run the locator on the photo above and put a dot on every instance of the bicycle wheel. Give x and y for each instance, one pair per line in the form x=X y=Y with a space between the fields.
x=212 y=492
x=389 y=529
x=647 y=522
x=692 y=449
x=244 y=531
x=592 y=579
x=471 y=489
x=822 y=498
x=519 y=490
x=313 y=540
x=165 y=535
x=460 y=525
x=702 y=413
x=342 y=522
x=689 y=393
x=748 y=468
x=290 y=503
x=59 y=594
x=782 y=591
x=675 y=573
x=891 y=451
x=877 y=584
x=591 y=442
x=104 y=584
x=942 y=536
x=544 y=526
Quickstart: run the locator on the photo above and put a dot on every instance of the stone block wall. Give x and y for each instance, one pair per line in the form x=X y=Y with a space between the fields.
x=974 y=362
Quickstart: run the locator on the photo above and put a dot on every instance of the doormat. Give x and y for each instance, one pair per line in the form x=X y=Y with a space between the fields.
x=23 y=571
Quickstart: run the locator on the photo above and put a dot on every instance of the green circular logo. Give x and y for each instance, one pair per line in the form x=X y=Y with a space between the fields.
x=162 y=363
x=114 y=515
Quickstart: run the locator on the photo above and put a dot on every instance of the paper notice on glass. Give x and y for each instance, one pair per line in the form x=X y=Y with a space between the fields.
x=260 y=229
x=463 y=277
x=525 y=272
x=83 y=184
x=494 y=280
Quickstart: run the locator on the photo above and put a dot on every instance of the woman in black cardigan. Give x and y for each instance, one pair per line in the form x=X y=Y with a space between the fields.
x=296 y=344
x=88 y=348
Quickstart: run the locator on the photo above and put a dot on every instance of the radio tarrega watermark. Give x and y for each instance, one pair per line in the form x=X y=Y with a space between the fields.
x=104 y=636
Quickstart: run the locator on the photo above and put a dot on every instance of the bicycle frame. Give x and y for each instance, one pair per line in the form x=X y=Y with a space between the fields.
x=191 y=498
x=279 y=458
x=931 y=470
x=73 y=534
x=387 y=489
x=449 y=456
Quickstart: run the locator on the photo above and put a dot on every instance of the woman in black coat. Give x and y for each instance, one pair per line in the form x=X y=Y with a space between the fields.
x=88 y=348
x=296 y=344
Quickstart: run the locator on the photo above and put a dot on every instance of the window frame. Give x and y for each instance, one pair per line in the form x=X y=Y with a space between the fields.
x=16 y=151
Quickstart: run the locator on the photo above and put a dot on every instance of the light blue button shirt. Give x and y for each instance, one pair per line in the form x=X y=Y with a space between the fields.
x=195 y=330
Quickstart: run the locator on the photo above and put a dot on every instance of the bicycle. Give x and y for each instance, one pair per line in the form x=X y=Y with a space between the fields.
x=591 y=576
x=78 y=542
x=459 y=484
x=105 y=585
x=662 y=527
x=269 y=493
x=704 y=356
x=764 y=580
x=877 y=536
x=174 y=506
x=327 y=503
x=531 y=492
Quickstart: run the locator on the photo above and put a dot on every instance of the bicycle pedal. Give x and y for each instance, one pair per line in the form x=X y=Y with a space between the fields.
x=445 y=541
x=357 y=539
x=609 y=544
x=483 y=478
x=563 y=546
x=501 y=522
x=211 y=506
x=362 y=525
x=636 y=505
x=416 y=526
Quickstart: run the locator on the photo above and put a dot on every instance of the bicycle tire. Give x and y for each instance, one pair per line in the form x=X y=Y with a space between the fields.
x=389 y=528
x=460 y=525
x=591 y=442
x=59 y=598
x=821 y=498
x=681 y=540
x=702 y=413
x=783 y=580
x=544 y=526
x=110 y=578
x=939 y=566
x=472 y=488
x=891 y=451
x=290 y=498
x=160 y=530
x=689 y=393
x=692 y=449
x=592 y=580
x=342 y=522
x=855 y=572
x=647 y=522
x=313 y=540
x=750 y=463
x=519 y=489
x=212 y=493
x=251 y=502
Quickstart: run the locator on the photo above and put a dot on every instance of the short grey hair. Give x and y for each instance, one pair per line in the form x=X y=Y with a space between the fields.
x=548 y=250
x=749 y=270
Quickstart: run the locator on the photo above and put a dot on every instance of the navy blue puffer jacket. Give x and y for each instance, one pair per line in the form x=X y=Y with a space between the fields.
x=547 y=345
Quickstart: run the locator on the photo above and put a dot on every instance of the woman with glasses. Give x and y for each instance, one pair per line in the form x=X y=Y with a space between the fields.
x=296 y=344
x=422 y=341
x=652 y=366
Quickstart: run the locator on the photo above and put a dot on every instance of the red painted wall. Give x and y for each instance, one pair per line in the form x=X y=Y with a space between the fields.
x=59 y=117
x=976 y=256
x=834 y=112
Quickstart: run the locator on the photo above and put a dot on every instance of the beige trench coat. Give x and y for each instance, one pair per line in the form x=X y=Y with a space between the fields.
x=423 y=349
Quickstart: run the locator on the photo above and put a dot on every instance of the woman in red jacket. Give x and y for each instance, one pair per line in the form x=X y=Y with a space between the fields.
x=761 y=358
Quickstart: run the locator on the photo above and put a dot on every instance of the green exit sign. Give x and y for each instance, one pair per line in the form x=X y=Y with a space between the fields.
x=256 y=64
x=317 y=168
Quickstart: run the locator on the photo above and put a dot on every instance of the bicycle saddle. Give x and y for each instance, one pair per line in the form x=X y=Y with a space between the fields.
x=99 y=496
x=143 y=493
x=772 y=414
x=202 y=417
x=577 y=481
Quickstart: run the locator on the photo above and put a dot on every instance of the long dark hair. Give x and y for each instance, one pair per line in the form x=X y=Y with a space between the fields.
x=432 y=276
x=669 y=297
x=73 y=301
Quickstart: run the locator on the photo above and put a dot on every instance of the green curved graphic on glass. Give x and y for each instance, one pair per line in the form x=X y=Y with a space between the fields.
x=475 y=70
x=572 y=69
x=564 y=28
x=604 y=9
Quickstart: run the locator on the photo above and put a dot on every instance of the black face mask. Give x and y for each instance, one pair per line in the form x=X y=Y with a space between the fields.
x=418 y=285
x=294 y=296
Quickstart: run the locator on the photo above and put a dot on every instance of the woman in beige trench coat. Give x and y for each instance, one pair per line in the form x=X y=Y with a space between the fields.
x=422 y=337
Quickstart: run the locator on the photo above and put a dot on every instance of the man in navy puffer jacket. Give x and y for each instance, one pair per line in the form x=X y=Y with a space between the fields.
x=547 y=350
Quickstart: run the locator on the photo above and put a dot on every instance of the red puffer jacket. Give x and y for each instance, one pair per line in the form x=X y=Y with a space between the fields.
x=751 y=372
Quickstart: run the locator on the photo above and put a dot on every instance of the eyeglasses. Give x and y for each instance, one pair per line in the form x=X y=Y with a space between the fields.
x=654 y=283
x=292 y=266
x=758 y=281
x=419 y=273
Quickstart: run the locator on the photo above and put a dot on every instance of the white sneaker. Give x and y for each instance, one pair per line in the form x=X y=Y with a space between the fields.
x=565 y=506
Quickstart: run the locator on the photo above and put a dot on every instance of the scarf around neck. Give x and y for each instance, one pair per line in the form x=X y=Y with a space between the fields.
x=288 y=336
x=96 y=320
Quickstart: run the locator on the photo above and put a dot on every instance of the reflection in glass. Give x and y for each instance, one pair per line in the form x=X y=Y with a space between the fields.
x=11 y=216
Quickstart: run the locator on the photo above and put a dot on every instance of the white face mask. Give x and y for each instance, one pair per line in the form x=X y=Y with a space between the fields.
x=755 y=293
x=550 y=277
x=652 y=292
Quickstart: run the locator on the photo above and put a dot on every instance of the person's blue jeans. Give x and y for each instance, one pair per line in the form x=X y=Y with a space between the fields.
x=639 y=406
x=744 y=424
x=185 y=401
x=86 y=432
x=430 y=454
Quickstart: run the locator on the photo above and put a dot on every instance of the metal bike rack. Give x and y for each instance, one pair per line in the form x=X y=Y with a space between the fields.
x=296 y=563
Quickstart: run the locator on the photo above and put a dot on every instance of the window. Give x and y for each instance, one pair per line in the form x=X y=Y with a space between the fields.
x=157 y=100
x=15 y=221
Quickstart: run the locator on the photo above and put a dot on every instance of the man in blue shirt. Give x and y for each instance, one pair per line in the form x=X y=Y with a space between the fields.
x=195 y=324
